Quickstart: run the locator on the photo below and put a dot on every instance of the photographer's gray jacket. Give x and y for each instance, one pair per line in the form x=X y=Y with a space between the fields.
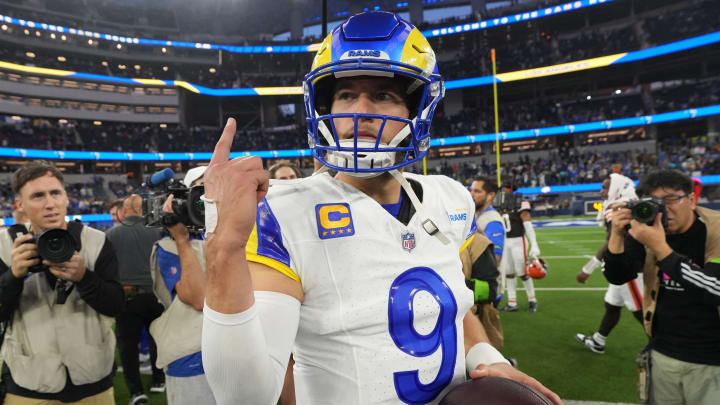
x=47 y=342
x=133 y=242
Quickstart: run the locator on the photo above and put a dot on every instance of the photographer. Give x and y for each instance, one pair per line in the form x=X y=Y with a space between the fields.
x=133 y=243
x=60 y=344
x=679 y=252
x=178 y=268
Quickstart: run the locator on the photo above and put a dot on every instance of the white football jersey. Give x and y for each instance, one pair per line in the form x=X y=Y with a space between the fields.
x=381 y=321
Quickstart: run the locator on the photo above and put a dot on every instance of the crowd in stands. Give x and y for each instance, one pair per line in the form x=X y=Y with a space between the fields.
x=527 y=114
x=548 y=45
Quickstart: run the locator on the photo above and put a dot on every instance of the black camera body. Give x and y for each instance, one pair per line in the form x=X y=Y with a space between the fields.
x=646 y=209
x=55 y=245
x=507 y=201
x=188 y=208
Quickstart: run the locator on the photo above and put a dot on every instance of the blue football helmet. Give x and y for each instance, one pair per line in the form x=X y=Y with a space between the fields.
x=372 y=44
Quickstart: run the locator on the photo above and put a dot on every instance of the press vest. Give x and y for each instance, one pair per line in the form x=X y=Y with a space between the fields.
x=178 y=331
x=47 y=342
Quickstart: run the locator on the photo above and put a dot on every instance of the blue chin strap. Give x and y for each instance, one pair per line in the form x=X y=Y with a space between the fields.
x=366 y=158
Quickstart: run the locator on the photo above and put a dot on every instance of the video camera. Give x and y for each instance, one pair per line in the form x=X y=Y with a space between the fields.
x=55 y=245
x=507 y=201
x=187 y=206
x=646 y=209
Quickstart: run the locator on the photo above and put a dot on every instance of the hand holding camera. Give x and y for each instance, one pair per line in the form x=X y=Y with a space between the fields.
x=24 y=256
x=33 y=253
x=71 y=270
x=178 y=231
x=645 y=220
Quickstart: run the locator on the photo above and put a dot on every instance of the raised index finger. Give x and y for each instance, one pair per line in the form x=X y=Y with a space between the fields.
x=221 y=154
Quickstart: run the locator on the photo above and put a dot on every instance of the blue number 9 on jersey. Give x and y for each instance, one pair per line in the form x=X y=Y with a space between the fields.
x=408 y=386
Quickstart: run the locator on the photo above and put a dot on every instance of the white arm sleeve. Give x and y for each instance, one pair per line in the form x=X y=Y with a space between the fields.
x=245 y=355
x=530 y=232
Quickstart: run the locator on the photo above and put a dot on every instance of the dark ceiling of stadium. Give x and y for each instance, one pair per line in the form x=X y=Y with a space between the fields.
x=252 y=17
x=188 y=18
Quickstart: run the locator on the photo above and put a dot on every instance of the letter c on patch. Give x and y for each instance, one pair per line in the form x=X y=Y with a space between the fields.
x=334 y=216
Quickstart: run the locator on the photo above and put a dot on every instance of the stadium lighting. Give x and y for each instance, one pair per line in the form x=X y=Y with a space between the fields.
x=4 y=27
x=61 y=59
x=16 y=117
x=30 y=54
x=52 y=35
x=122 y=67
x=589 y=97
x=618 y=91
x=62 y=121
x=163 y=125
x=104 y=63
x=26 y=31
x=212 y=70
x=137 y=67
x=164 y=50
x=90 y=41
x=97 y=122
x=63 y=37
x=38 y=34
x=165 y=68
x=118 y=46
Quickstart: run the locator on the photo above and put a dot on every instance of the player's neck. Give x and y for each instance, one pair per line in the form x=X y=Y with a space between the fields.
x=383 y=188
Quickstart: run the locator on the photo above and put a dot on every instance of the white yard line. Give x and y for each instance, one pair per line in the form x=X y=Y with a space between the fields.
x=599 y=240
x=568 y=257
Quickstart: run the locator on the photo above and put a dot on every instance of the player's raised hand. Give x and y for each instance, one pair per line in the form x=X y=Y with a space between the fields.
x=507 y=371
x=236 y=186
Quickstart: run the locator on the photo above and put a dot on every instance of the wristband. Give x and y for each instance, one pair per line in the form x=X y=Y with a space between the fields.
x=211 y=214
x=483 y=353
x=591 y=265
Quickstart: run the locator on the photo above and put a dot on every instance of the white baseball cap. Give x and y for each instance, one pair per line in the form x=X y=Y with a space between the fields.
x=194 y=174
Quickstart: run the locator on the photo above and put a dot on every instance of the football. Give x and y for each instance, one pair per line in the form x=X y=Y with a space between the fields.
x=494 y=391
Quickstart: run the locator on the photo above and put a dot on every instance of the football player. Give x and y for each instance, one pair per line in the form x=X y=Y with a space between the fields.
x=358 y=275
x=616 y=188
x=515 y=255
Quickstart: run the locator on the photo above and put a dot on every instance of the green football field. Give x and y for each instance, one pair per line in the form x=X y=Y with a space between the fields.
x=544 y=342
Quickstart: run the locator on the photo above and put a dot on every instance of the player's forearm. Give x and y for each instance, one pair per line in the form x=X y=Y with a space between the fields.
x=473 y=331
x=263 y=335
x=191 y=287
x=229 y=287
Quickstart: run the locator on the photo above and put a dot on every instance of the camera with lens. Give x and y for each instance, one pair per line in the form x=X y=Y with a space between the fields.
x=507 y=201
x=55 y=245
x=187 y=206
x=645 y=210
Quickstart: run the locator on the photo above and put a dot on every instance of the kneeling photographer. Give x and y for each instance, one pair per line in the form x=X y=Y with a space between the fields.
x=59 y=292
x=677 y=244
x=178 y=269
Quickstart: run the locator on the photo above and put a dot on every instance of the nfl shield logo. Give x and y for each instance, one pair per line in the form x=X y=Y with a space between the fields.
x=408 y=241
